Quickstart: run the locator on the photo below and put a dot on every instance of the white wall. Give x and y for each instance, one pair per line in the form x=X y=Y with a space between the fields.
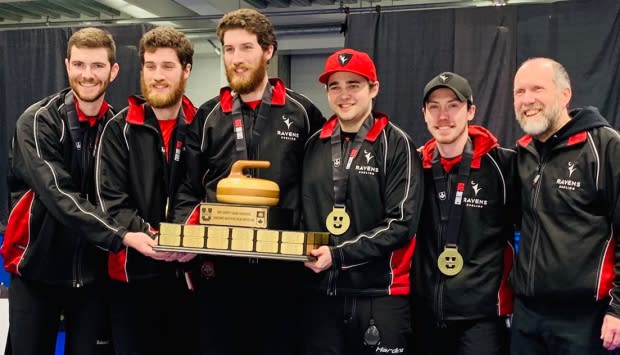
x=206 y=78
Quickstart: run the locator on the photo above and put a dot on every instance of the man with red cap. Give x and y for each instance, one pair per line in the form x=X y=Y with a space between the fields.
x=363 y=184
x=464 y=248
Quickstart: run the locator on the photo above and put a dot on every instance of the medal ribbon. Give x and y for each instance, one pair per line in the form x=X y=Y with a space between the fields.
x=340 y=169
x=242 y=145
x=452 y=214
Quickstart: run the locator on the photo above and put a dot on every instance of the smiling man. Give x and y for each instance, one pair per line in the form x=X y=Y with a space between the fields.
x=464 y=244
x=260 y=119
x=566 y=276
x=138 y=171
x=363 y=184
x=56 y=239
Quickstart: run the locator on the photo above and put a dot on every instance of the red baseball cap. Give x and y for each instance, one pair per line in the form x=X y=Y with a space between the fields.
x=349 y=60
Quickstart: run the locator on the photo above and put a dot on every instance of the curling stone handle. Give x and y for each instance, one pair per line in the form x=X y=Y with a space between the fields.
x=237 y=168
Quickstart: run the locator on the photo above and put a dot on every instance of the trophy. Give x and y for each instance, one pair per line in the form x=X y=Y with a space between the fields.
x=244 y=222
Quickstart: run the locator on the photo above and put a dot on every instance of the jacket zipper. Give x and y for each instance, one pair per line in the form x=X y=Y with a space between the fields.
x=77 y=258
x=535 y=234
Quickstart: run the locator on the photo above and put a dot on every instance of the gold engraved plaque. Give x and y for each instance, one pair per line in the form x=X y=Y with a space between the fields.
x=245 y=234
x=217 y=232
x=218 y=237
x=217 y=243
x=233 y=215
x=450 y=261
x=170 y=229
x=291 y=249
x=169 y=240
x=242 y=245
x=266 y=247
x=293 y=237
x=246 y=216
x=193 y=242
x=194 y=230
x=267 y=235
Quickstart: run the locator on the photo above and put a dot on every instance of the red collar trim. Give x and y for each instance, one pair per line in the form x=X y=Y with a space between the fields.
x=278 y=95
x=525 y=140
x=82 y=117
x=135 y=110
x=381 y=121
x=577 y=138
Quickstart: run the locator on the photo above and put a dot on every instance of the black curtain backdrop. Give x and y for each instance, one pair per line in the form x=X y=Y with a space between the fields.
x=486 y=45
x=33 y=67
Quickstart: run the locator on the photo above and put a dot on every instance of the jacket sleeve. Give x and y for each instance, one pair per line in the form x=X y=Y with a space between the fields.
x=39 y=159
x=612 y=175
x=112 y=178
x=191 y=189
x=404 y=184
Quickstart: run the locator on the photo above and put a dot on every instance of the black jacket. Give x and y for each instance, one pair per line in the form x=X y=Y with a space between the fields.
x=211 y=147
x=385 y=187
x=55 y=234
x=135 y=179
x=568 y=250
x=485 y=236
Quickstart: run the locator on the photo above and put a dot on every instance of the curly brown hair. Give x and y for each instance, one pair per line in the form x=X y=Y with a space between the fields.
x=167 y=37
x=92 y=37
x=251 y=21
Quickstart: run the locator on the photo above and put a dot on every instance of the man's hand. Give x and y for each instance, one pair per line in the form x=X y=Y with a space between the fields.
x=183 y=257
x=610 y=332
x=323 y=259
x=144 y=244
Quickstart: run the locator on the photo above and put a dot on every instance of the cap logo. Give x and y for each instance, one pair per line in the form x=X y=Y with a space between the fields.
x=344 y=58
x=444 y=78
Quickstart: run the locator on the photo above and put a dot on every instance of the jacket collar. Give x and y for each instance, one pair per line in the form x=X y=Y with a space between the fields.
x=278 y=95
x=135 y=110
x=381 y=120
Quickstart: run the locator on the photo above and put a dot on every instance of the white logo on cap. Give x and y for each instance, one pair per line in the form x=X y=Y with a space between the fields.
x=444 y=78
x=344 y=58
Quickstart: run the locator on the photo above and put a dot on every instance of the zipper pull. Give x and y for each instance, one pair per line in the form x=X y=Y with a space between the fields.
x=536 y=178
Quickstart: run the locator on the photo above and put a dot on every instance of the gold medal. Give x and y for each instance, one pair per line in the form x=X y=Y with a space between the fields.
x=450 y=261
x=338 y=221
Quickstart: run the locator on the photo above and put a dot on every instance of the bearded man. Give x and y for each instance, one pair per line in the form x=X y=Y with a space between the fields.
x=56 y=239
x=138 y=171
x=253 y=118
x=566 y=277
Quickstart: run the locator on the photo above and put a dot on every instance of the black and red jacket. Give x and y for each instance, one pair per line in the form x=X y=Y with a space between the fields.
x=135 y=179
x=385 y=187
x=569 y=248
x=211 y=147
x=485 y=237
x=55 y=233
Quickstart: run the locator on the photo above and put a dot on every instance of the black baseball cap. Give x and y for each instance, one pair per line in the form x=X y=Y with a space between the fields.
x=459 y=85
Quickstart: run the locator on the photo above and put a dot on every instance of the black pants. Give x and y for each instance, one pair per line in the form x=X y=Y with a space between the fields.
x=488 y=336
x=34 y=317
x=549 y=328
x=335 y=325
x=249 y=307
x=155 y=316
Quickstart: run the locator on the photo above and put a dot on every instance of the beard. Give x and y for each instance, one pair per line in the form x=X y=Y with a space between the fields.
x=549 y=116
x=247 y=84
x=163 y=100
x=75 y=86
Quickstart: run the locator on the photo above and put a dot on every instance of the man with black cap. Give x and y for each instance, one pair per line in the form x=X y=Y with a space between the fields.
x=464 y=243
x=363 y=184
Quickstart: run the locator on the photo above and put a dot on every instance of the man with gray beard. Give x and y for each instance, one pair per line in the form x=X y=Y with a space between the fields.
x=565 y=277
